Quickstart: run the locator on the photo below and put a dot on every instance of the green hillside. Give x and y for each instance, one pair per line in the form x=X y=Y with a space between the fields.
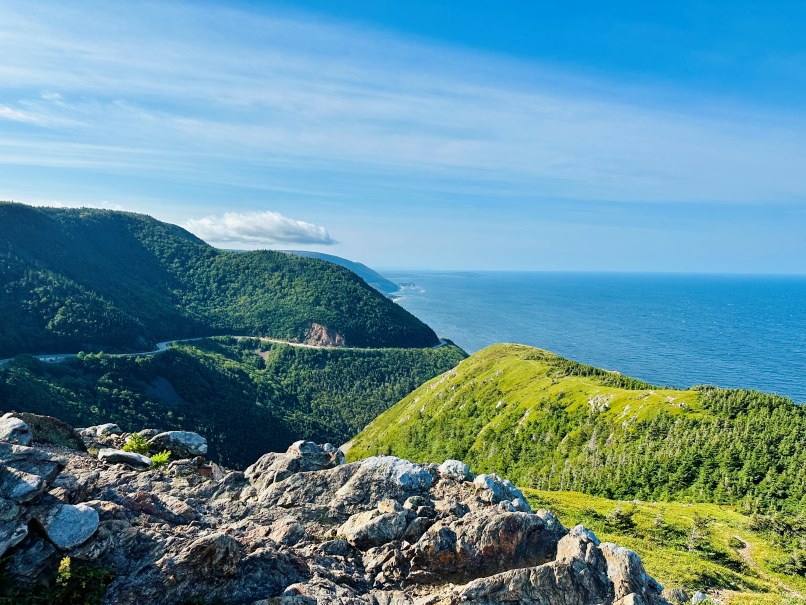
x=553 y=424
x=89 y=279
x=246 y=396
x=692 y=546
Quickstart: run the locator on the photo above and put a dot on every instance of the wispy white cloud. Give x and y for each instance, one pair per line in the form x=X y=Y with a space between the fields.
x=253 y=229
x=16 y=115
x=287 y=92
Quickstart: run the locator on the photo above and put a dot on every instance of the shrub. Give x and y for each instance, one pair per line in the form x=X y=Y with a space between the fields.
x=795 y=563
x=137 y=444
x=161 y=459
x=75 y=584
x=621 y=519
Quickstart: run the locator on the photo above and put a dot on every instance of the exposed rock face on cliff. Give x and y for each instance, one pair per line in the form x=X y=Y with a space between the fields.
x=320 y=336
x=301 y=528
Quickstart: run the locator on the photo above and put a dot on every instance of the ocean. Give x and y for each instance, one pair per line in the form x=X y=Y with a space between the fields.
x=676 y=330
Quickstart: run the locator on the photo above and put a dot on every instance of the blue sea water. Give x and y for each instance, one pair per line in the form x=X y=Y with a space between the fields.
x=677 y=330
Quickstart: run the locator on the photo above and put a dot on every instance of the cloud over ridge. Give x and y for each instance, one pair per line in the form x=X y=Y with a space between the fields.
x=262 y=228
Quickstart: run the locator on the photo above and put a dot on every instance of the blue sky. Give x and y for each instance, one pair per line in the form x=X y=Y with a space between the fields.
x=521 y=135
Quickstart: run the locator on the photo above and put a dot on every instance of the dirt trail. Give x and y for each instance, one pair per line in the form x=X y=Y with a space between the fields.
x=746 y=553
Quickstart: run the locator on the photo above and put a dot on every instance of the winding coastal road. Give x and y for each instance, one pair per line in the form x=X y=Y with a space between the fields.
x=164 y=345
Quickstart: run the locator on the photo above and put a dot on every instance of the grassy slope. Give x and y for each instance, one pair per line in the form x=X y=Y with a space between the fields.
x=246 y=396
x=550 y=423
x=738 y=575
x=502 y=391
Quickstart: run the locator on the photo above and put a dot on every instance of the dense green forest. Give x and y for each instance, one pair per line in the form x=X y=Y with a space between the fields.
x=245 y=395
x=553 y=424
x=73 y=279
x=372 y=277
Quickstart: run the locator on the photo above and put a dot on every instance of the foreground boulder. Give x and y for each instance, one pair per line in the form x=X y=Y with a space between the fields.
x=300 y=527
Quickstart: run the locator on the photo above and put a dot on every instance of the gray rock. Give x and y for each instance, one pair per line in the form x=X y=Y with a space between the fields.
x=373 y=528
x=677 y=595
x=19 y=486
x=456 y=470
x=101 y=430
x=581 y=531
x=33 y=461
x=350 y=488
x=47 y=429
x=69 y=525
x=32 y=559
x=215 y=555
x=699 y=597
x=14 y=430
x=495 y=490
x=626 y=571
x=417 y=528
x=9 y=510
x=11 y=534
x=481 y=543
x=182 y=444
x=336 y=453
x=389 y=506
x=415 y=502
x=301 y=456
x=133 y=459
x=287 y=530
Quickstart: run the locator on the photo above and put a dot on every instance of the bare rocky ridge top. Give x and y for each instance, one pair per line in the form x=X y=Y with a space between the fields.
x=300 y=527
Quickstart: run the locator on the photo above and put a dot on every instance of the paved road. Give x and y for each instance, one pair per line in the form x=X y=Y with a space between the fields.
x=163 y=346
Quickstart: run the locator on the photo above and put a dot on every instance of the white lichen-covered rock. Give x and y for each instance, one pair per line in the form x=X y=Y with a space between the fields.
x=181 y=444
x=455 y=469
x=115 y=456
x=495 y=490
x=14 y=430
x=100 y=430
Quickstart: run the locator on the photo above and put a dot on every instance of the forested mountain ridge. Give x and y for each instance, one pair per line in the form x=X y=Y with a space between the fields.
x=554 y=424
x=372 y=277
x=88 y=278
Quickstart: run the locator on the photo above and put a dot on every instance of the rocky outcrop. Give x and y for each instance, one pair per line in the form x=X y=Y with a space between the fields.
x=47 y=429
x=321 y=336
x=300 y=527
